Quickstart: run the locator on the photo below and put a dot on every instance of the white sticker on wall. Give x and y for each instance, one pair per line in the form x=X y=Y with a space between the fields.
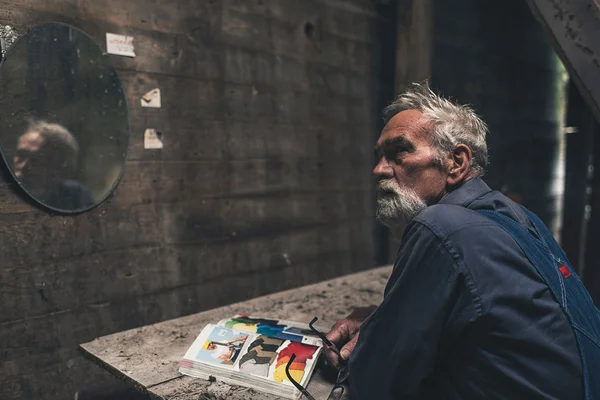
x=120 y=45
x=151 y=99
x=152 y=139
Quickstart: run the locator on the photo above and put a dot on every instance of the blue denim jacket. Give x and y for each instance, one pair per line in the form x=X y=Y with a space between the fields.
x=465 y=314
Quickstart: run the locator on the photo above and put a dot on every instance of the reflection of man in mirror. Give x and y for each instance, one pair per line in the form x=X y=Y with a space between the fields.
x=46 y=164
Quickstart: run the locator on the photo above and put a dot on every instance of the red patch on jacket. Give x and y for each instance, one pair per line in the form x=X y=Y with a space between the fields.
x=564 y=270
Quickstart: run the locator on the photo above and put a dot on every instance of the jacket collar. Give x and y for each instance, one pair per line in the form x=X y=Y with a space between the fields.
x=467 y=193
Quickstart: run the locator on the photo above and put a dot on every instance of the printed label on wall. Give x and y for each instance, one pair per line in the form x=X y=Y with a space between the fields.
x=152 y=139
x=120 y=45
x=151 y=99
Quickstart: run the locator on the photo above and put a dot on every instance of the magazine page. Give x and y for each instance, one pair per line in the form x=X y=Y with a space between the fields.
x=267 y=357
x=282 y=329
x=217 y=346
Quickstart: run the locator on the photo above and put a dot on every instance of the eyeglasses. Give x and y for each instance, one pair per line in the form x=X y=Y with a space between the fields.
x=338 y=390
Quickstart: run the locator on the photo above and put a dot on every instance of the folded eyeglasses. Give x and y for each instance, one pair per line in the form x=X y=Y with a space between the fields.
x=338 y=390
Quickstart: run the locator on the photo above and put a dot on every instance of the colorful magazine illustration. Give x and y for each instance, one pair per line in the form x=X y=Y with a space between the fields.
x=254 y=352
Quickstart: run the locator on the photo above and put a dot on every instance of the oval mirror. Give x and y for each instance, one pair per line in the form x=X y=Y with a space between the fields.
x=64 y=124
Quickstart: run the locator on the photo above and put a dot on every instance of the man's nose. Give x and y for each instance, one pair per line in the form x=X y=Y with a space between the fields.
x=383 y=169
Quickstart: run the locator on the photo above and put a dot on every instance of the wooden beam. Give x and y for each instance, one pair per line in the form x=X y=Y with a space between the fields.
x=579 y=154
x=591 y=272
x=573 y=28
x=414 y=46
x=414 y=42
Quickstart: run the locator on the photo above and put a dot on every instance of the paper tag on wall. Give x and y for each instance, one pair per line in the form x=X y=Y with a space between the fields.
x=152 y=139
x=120 y=45
x=151 y=99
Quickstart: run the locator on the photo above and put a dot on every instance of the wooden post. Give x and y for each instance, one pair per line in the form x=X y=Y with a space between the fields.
x=579 y=145
x=414 y=37
x=591 y=272
x=414 y=42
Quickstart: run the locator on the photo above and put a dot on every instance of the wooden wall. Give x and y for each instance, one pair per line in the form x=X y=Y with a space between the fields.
x=268 y=121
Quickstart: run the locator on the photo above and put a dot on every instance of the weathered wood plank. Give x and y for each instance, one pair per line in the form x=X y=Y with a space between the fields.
x=205 y=103
x=225 y=219
x=191 y=128
x=155 y=15
x=146 y=182
x=12 y=201
x=260 y=32
x=264 y=68
x=104 y=276
x=193 y=53
x=59 y=330
x=194 y=221
x=357 y=6
x=189 y=56
x=57 y=236
x=346 y=20
x=65 y=369
x=175 y=54
x=348 y=23
x=149 y=356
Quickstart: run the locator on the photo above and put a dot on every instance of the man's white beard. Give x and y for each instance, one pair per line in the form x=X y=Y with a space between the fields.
x=396 y=206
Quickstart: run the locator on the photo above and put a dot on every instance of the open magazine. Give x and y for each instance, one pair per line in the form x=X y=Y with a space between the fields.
x=254 y=352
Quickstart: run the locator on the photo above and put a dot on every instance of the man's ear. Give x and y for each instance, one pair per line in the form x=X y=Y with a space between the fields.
x=460 y=165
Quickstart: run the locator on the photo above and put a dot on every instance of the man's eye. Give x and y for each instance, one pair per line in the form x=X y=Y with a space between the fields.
x=395 y=153
x=390 y=155
x=400 y=151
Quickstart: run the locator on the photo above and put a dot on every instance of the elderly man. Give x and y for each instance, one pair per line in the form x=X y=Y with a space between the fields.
x=465 y=313
x=45 y=162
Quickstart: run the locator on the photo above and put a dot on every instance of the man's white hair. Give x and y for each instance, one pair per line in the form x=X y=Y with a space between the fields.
x=452 y=123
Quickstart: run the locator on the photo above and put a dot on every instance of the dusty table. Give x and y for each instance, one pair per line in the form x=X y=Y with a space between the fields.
x=148 y=357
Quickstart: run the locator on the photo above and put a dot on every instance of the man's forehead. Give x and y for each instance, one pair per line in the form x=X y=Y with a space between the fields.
x=31 y=139
x=31 y=135
x=407 y=123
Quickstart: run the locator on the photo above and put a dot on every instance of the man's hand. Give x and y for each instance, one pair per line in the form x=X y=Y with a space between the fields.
x=344 y=334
